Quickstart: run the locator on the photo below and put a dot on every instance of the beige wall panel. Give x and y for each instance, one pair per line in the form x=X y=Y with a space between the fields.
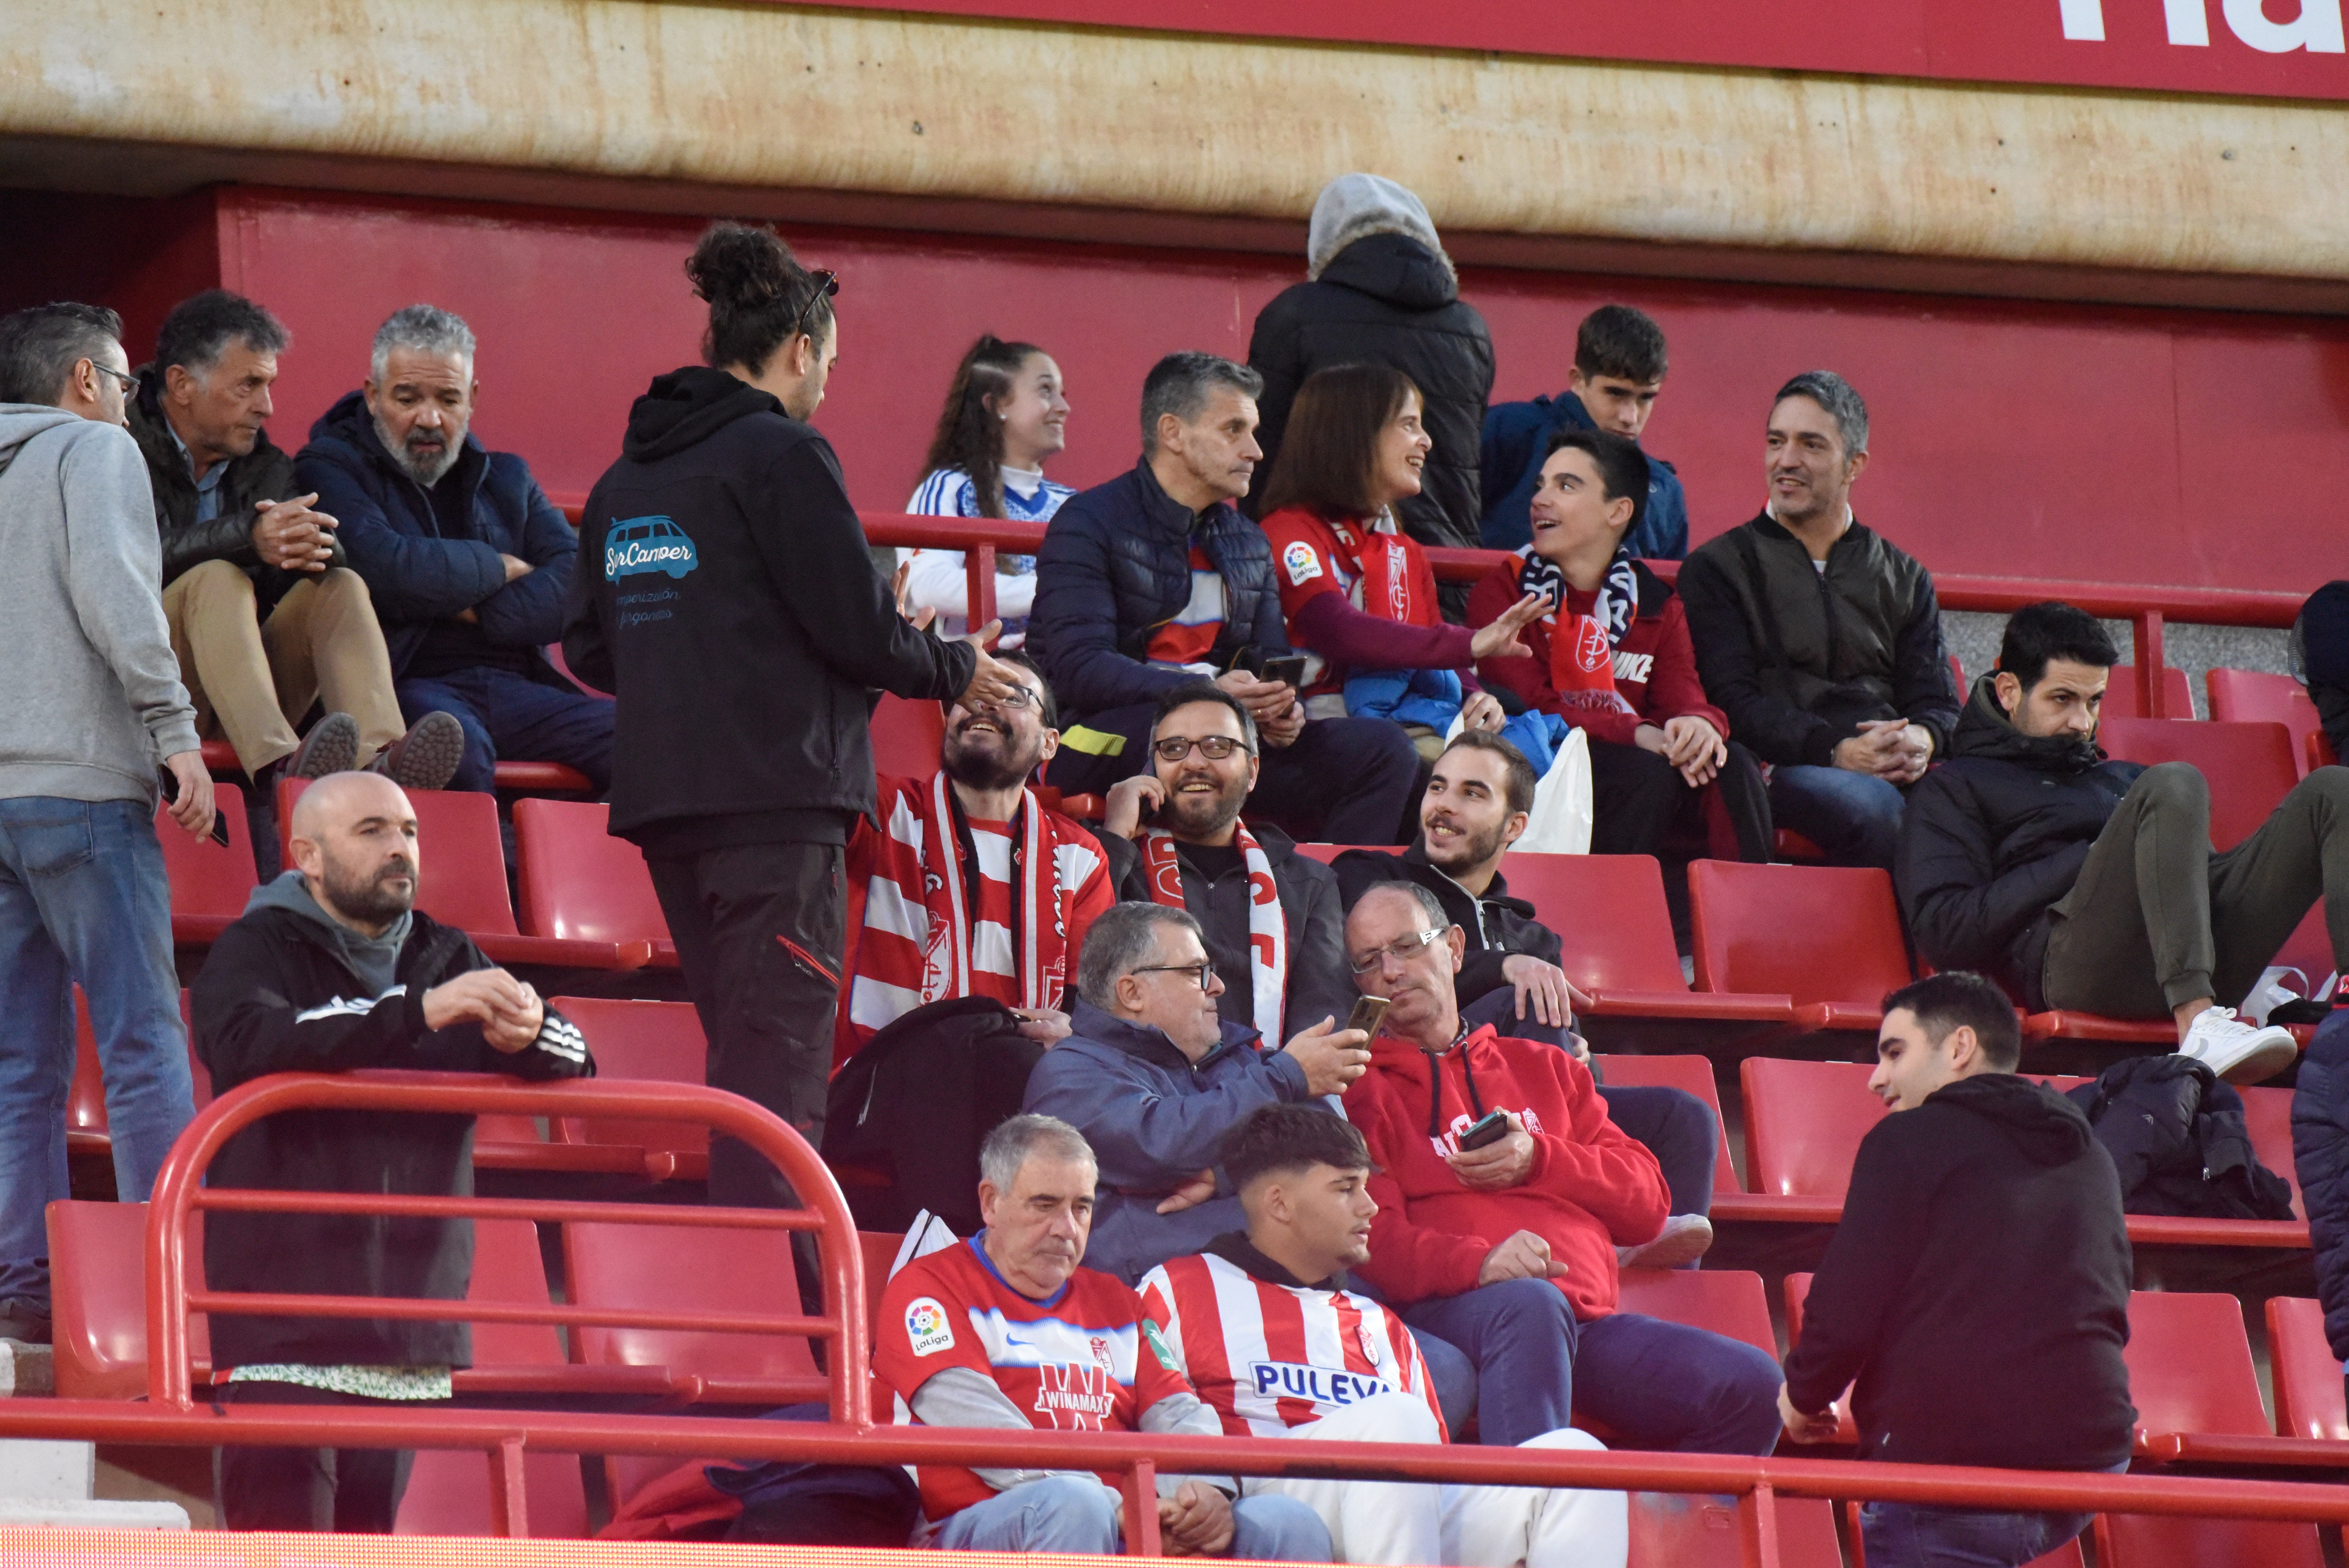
x=768 y=97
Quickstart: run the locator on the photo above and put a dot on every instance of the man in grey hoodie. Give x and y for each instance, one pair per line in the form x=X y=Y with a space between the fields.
x=90 y=700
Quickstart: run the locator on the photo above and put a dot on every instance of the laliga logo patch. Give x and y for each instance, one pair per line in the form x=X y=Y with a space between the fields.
x=1301 y=563
x=928 y=1327
x=1591 y=654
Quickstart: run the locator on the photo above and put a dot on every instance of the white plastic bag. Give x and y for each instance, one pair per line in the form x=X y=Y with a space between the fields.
x=1563 y=803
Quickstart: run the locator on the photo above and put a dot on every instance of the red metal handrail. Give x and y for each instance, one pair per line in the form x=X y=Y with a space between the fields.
x=179 y=1190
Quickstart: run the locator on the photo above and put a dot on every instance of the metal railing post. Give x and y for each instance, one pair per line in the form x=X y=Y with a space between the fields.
x=1757 y=1526
x=509 y=1491
x=1140 y=1487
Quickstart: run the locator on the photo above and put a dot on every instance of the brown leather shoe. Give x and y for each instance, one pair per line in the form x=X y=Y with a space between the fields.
x=426 y=758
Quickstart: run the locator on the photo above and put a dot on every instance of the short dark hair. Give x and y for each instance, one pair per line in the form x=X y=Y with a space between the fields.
x=1622 y=466
x=39 y=344
x=1957 y=997
x=1621 y=341
x=1330 y=449
x=758 y=292
x=1189 y=692
x=1051 y=708
x=202 y=326
x=1519 y=779
x=2051 y=629
x=1277 y=1139
x=1841 y=400
x=1182 y=383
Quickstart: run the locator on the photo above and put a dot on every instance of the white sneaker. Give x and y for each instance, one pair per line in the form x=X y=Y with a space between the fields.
x=1684 y=1239
x=2235 y=1050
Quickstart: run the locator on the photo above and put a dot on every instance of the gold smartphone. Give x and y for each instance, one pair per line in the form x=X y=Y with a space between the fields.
x=1368 y=1013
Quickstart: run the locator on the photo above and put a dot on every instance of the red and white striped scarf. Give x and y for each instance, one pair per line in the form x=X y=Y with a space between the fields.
x=1267 y=927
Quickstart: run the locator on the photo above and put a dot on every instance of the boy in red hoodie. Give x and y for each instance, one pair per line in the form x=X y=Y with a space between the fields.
x=1508 y=1247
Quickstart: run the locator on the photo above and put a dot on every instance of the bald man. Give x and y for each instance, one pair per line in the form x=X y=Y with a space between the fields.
x=330 y=969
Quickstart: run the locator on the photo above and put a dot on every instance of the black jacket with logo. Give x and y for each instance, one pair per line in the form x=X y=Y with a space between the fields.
x=275 y=997
x=727 y=596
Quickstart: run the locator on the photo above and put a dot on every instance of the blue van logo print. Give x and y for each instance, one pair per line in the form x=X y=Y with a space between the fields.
x=637 y=545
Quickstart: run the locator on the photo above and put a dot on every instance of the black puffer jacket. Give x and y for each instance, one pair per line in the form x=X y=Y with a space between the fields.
x=2179 y=1139
x=1387 y=299
x=1995 y=835
x=265 y=473
x=2320 y=1158
x=1115 y=566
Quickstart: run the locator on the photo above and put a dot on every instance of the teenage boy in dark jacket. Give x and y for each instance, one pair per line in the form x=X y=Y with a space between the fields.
x=1977 y=1288
x=1819 y=638
x=330 y=970
x=2027 y=855
x=1155 y=579
x=466 y=559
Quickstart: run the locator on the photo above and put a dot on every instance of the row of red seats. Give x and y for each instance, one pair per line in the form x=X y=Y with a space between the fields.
x=512 y=777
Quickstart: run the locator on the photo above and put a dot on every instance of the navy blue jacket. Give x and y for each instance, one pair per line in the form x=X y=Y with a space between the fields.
x=416 y=573
x=1515 y=445
x=1155 y=1118
x=2320 y=1157
x=1115 y=566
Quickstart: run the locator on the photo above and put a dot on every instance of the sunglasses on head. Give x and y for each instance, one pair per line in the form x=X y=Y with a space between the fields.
x=826 y=285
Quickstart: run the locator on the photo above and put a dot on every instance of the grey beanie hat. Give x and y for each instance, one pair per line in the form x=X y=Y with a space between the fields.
x=1353 y=206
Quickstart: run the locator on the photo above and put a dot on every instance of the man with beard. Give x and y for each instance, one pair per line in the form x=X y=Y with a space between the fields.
x=330 y=970
x=1270 y=915
x=972 y=888
x=1476 y=805
x=467 y=560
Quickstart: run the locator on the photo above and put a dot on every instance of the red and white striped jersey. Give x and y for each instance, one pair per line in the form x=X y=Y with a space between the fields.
x=1266 y=1357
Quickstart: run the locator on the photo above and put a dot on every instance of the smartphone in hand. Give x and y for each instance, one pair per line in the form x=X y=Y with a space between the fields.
x=1369 y=1013
x=1492 y=1127
x=171 y=797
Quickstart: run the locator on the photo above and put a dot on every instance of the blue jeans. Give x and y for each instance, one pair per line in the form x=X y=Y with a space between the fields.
x=1911 y=1536
x=1855 y=817
x=513 y=716
x=82 y=899
x=1078 y=1515
x=1659 y=1384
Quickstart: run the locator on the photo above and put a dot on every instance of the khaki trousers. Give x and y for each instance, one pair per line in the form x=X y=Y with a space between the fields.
x=251 y=680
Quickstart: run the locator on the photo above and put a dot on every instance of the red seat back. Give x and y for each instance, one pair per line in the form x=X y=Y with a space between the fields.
x=2167 y=1541
x=97 y=1299
x=2249 y=767
x=1609 y=911
x=1803 y=1123
x=1689 y=1530
x=2120 y=693
x=2189 y=1365
x=205 y=878
x=460 y=873
x=2257 y=696
x=578 y=881
x=2308 y=1388
x=695 y=1268
x=2267 y=1113
x=1818 y=933
x=1326 y=854
x=508 y=1269
x=907 y=736
x=1727 y=1302
x=1690 y=1075
x=448 y=1495
x=659 y=1041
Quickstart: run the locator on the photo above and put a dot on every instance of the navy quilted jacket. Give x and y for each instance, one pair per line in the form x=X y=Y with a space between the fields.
x=2320 y=1153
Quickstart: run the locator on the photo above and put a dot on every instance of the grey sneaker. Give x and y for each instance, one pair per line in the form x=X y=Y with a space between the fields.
x=426 y=758
x=1684 y=1239
x=2238 y=1052
x=331 y=747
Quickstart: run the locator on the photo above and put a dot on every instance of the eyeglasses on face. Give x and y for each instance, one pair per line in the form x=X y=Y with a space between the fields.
x=1203 y=971
x=826 y=285
x=1402 y=950
x=1214 y=747
x=130 y=382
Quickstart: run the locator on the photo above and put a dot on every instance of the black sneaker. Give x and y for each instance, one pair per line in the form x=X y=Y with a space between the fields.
x=426 y=758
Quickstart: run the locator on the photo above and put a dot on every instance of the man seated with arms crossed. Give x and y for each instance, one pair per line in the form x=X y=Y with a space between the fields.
x=1007 y=1331
x=2091 y=885
x=1175 y=836
x=1278 y=1340
x=1504 y=1190
x=972 y=888
x=332 y=969
x=1155 y=579
x=1977 y=1286
x=1477 y=803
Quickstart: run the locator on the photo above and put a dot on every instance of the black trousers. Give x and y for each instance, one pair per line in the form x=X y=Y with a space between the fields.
x=758 y=929
x=1634 y=796
x=350 y=1492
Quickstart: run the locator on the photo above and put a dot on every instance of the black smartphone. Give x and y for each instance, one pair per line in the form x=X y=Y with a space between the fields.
x=171 y=795
x=1368 y=1013
x=1492 y=1127
x=1289 y=672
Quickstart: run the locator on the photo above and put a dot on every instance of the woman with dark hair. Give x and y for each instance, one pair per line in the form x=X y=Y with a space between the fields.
x=727 y=596
x=1007 y=412
x=1357 y=592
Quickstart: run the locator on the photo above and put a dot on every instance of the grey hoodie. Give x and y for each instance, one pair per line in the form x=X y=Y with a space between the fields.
x=91 y=699
x=373 y=960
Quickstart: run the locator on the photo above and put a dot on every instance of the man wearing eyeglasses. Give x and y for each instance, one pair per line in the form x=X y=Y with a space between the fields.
x=1503 y=1192
x=1154 y=1077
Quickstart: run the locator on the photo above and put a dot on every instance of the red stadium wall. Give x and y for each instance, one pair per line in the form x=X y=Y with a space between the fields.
x=2025 y=438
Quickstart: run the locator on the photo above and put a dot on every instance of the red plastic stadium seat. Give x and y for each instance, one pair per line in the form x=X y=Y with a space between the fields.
x=461 y=881
x=2267 y=1113
x=516 y=778
x=661 y=1041
x=1803 y=1124
x=1608 y=912
x=907 y=736
x=1326 y=854
x=2120 y=693
x=2249 y=765
x=1690 y=1075
x=1798 y=1292
x=2319 y=753
x=449 y=1494
x=1728 y=1302
x=693 y=1269
x=2308 y=1388
x=2254 y=697
x=209 y=884
x=97 y=1298
x=580 y=883
x=1829 y=937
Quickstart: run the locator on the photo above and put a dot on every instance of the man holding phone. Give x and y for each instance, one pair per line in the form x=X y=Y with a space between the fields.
x=1503 y=1191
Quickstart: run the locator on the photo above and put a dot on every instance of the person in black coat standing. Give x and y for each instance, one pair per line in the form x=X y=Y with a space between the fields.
x=727 y=596
x=1381 y=291
x=1977 y=1288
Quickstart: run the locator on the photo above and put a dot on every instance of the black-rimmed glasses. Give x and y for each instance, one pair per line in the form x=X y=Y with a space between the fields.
x=1204 y=972
x=1214 y=747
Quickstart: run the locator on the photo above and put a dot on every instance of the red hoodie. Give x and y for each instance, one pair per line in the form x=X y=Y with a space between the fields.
x=1591 y=1187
